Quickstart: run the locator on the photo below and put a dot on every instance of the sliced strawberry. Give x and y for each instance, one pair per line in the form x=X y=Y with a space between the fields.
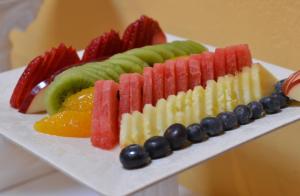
x=231 y=60
x=170 y=78
x=102 y=47
x=148 y=86
x=194 y=72
x=207 y=67
x=219 y=62
x=142 y=32
x=182 y=75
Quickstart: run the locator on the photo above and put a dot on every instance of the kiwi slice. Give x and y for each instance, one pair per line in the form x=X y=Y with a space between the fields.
x=149 y=56
x=162 y=50
x=63 y=87
x=127 y=65
x=176 y=51
x=197 y=47
x=132 y=58
x=103 y=69
x=183 y=46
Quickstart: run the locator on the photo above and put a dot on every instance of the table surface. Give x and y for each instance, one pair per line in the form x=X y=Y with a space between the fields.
x=101 y=169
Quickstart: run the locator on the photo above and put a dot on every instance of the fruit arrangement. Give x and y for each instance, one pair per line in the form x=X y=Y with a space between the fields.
x=29 y=93
x=149 y=96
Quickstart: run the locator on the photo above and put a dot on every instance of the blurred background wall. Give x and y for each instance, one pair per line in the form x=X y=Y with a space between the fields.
x=266 y=166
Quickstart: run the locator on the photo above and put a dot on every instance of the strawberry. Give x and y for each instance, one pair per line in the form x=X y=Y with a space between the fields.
x=142 y=32
x=102 y=47
x=42 y=68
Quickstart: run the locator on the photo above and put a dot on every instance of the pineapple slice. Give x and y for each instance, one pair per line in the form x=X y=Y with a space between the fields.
x=211 y=107
x=171 y=109
x=137 y=125
x=161 y=116
x=198 y=103
x=125 y=133
x=149 y=119
x=221 y=101
x=190 y=107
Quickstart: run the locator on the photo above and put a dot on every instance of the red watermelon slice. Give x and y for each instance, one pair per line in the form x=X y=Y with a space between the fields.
x=136 y=91
x=207 y=67
x=231 y=60
x=243 y=55
x=158 y=82
x=219 y=58
x=124 y=93
x=148 y=86
x=105 y=133
x=182 y=75
x=194 y=73
x=170 y=78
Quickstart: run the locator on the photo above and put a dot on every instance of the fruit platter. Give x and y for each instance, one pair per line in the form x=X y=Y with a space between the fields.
x=132 y=110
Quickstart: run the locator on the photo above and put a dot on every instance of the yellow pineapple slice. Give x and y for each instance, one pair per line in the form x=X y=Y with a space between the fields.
x=198 y=103
x=221 y=101
x=161 y=116
x=262 y=81
x=125 y=130
x=149 y=119
x=171 y=109
x=211 y=107
x=245 y=77
x=137 y=127
x=180 y=107
x=188 y=113
x=230 y=94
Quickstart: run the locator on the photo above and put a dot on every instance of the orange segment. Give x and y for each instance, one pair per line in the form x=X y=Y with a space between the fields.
x=66 y=124
x=73 y=120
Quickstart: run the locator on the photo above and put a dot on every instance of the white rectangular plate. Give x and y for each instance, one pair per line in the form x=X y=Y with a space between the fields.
x=101 y=170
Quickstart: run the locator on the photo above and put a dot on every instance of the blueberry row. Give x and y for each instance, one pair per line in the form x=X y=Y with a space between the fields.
x=177 y=136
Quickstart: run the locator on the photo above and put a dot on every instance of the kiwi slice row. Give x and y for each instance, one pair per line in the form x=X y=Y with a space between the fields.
x=78 y=78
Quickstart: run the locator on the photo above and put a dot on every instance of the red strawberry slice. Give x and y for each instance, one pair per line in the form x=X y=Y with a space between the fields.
x=219 y=62
x=243 y=55
x=158 y=82
x=231 y=60
x=182 y=75
x=136 y=91
x=148 y=86
x=102 y=47
x=207 y=67
x=142 y=32
x=105 y=133
x=170 y=78
x=194 y=72
x=124 y=93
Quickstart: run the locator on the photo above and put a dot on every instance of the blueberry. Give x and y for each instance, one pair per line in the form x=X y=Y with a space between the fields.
x=196 y=134
x=157 y=147
x=243 y=114
x=282 y=99
x=134 y=156
x=229 y=120
x=278 y=86
x=271 y=104
x=176 y=134
x=212 y=126
x=257 y=109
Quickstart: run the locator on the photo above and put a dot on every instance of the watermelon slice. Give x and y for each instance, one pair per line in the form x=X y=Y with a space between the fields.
x=231 y=62
x=194 y=73
x=105 y=132
x=158 y=82
x=148 y=86
x=170 y=78
x=207 y=67
x=124 y=93
x=136 y=91
x=243 y=56
x=182 y=75
x=219 y=60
